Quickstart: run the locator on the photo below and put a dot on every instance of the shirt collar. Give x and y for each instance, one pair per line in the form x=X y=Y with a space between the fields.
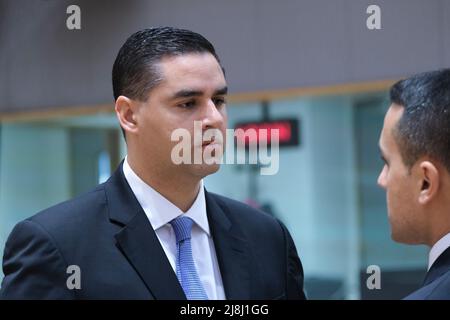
x=437 y=249
x=158 y=209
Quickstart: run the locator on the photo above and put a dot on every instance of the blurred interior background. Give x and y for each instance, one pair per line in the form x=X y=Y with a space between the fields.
x=310 y=60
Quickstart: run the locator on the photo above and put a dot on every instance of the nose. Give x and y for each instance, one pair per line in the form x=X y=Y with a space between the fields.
x=213 y=117
x=382 y=178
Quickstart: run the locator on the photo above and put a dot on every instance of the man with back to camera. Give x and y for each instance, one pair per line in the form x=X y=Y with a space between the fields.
x=415 y=146
x=152 y=231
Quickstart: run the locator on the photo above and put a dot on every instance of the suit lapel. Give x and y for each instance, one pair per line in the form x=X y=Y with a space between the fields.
x=138 y=241
x=231 y=248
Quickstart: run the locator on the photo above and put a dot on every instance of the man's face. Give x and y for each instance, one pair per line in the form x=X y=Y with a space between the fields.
x=193 y=89
x=401 y=186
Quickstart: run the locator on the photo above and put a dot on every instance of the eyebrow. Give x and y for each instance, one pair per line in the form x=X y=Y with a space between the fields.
x=196 y=93
x=221 y=91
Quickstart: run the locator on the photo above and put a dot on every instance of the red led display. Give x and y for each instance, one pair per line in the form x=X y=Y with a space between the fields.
x=260 y=131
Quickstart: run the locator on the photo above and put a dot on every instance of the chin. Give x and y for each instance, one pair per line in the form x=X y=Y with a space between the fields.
x=395 y=237
x=204 y=170
x=404 y=238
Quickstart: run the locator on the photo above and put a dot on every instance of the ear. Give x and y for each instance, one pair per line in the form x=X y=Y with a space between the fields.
x=126 y=109
x=429 y=175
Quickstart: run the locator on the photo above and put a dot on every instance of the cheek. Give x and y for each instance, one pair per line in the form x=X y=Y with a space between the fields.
x=156 y=133
x=393 y=194
x=399 y=196
x=172 y=122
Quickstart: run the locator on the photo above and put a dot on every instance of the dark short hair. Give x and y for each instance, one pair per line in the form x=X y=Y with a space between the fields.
x=424 y=127
x=135 y=70
x=134 y=73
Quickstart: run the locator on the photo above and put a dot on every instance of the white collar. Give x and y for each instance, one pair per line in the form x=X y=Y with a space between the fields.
x=158 y=209
x=438 y=248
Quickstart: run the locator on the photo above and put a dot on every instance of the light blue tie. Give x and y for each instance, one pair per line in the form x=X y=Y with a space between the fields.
x=186 y=271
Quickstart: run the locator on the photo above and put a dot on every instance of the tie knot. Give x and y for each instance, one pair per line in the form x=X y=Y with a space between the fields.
x=182 y=227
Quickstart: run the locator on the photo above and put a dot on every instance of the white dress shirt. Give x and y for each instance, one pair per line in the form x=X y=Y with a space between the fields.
x=438 y=248
x=161 y=211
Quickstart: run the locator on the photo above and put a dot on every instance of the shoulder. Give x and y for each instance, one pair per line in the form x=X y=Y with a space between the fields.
x=39 y=249
x=69 y=217
x=248 y=218
x=439 y=289
x=73 y=209
x=244 y=211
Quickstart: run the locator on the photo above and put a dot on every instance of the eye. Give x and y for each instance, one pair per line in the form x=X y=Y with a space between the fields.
x=187 y=105
x=219 y=102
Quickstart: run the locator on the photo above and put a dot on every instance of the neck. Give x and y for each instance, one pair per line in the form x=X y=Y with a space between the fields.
x=179 y=189
x=438 y=234
x=439 y=223
x=439 y=212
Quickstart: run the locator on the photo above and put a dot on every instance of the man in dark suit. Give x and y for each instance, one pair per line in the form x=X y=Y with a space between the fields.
x=152 y=231
x=415 y=146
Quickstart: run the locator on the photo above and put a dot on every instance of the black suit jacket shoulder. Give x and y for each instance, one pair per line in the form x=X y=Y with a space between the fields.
x=437 y=281
x=106 y=234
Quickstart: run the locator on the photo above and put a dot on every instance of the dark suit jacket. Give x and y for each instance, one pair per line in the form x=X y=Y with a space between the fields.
x=437 y=281
x=107 y=234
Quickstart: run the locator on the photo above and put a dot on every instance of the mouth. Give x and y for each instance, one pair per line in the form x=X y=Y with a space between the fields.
x=207 y=143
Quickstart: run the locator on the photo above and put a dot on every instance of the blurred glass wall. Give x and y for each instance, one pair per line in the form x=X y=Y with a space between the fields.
x=325 y=190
